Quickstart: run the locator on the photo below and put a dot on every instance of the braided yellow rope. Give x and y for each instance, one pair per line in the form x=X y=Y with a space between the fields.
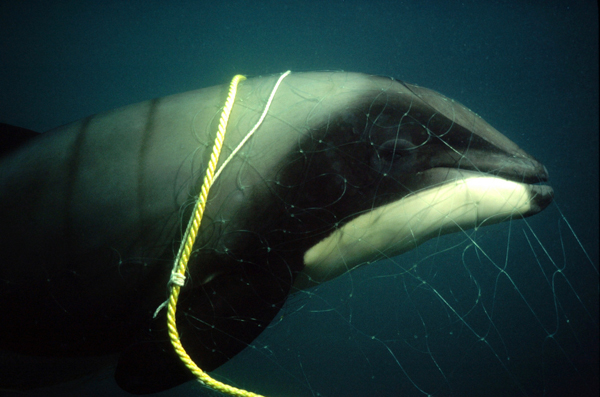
x=183 y=256
x=179 y=276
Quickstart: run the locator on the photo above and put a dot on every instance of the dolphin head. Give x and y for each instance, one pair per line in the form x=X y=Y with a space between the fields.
x=381 y=166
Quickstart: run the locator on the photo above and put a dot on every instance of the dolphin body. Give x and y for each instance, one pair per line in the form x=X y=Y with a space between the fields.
x=345 y=170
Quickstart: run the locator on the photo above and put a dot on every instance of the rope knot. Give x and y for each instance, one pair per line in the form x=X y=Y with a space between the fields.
x=177 y=279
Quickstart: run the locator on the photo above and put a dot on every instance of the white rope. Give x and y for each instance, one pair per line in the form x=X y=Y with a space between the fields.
x=249 y=134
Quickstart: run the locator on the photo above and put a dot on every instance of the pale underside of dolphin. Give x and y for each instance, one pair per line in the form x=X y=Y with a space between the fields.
x=346 y=169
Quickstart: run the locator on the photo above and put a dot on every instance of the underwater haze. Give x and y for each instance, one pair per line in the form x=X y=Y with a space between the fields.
x=506 y=310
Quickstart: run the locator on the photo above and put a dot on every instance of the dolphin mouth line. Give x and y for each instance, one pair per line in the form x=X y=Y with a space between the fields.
x=461 y=173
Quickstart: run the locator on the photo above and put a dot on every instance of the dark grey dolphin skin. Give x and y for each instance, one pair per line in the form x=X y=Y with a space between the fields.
x=93 y=213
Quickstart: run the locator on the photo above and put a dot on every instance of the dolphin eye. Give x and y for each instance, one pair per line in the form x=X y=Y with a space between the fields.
x=395 y=149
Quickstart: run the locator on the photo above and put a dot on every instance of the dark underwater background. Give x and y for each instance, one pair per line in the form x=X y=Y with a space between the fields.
x=442 y=320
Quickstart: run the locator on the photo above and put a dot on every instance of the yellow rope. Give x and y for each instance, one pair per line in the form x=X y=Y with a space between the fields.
x=178 y=274
x=202 y=376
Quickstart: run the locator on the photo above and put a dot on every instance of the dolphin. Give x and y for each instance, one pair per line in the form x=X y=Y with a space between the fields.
x=346 y=169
